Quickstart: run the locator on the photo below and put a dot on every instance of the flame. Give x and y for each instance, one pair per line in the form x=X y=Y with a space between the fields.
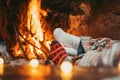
x=34 y=26
x=48 y=44
x=34 y=33
x=33 y=23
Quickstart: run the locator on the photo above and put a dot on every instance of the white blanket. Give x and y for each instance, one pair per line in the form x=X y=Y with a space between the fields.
x=106 y=57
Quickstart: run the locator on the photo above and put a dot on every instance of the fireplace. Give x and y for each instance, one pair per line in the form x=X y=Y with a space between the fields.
x=27 y=26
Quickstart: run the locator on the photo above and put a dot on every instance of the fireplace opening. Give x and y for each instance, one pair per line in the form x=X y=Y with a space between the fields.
x=31 y=38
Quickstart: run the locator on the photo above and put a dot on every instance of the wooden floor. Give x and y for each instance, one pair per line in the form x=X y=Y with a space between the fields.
x=48 y=72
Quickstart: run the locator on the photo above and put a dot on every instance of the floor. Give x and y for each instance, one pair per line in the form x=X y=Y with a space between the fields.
x=43 y=72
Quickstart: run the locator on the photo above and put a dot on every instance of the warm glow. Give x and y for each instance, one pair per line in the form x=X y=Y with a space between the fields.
x=39 y=73
x=48 y=44
x=1 y=69
x=34 y=26
x=1 y=61
x=34 y=19
x=119 y=66
x=32 y=37
x=66 y=67
x=1 y=66
x=34 y=63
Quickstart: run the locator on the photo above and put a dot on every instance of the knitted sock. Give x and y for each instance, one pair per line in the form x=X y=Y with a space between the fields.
x=57 y=52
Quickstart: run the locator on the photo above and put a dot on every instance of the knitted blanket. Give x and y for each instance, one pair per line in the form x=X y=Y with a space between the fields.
x=108 y=56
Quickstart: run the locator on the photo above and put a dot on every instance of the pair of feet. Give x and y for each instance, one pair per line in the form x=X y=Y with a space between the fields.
x=58 y=54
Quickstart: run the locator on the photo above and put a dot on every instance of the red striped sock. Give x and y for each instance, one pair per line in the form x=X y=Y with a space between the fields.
x=57 y=52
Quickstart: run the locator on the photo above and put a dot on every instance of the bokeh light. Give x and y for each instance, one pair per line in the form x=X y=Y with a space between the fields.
x=66 y=67
x=34 y=63
x=1 y=61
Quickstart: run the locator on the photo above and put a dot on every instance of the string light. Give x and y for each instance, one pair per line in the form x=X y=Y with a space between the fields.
x=1 y=61
x=66 y=67
x=34 y=63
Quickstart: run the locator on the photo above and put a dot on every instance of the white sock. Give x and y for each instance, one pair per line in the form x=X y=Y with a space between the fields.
x=68 y=40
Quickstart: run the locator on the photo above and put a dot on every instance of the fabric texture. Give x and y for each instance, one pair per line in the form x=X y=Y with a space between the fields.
x=57 y=52
x=80 y=49
x=108 y=56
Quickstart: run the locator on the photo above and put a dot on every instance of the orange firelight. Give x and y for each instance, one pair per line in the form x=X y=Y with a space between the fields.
x=32 y=41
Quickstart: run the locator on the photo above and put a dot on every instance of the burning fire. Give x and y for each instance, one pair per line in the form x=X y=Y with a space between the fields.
x=34 y=19
x=35 y=43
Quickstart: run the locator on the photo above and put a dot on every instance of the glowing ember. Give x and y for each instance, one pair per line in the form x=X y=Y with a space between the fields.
x=34 y=63
x=66 y=67
x=1 y=61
